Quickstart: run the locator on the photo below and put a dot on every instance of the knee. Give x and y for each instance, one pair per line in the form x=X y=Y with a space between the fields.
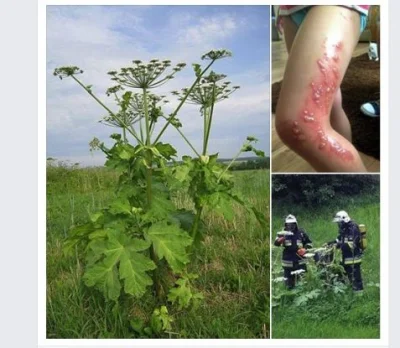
x=292 y=132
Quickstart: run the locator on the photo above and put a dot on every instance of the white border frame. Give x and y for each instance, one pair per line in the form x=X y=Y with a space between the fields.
x=384 y=221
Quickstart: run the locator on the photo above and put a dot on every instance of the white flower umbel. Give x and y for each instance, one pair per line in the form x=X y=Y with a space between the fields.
x=209 y=91
x=146 y=76
x=298 y=271
x=279 y=279
x=284 y=233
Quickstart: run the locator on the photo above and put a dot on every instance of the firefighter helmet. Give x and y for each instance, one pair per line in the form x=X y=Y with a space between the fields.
x=290 y=223
x=290 y=219
x=341 y=216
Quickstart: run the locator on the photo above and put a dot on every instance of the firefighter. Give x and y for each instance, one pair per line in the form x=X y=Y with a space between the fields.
x=295 y=242
x=349 y=242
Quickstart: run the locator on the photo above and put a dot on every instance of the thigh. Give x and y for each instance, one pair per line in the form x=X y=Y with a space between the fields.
x=289 y=30
x=320 y=52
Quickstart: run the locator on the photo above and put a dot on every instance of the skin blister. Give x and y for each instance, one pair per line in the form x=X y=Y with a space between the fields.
x=297 y=131
x=319 y=101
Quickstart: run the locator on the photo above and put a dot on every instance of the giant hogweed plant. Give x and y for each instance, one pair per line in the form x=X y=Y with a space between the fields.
x=209 y=183
x=141 y=241
x=323 y=282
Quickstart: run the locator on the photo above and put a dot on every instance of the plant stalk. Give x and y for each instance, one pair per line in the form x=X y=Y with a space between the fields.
x=230 y=164
x=210 y=118
x=206 y=135
x=141 y=129
x=182 y=101
x=149 y=192
x=105 y=107
x=184 y=138
x=205 y=126
x=147 y=117
x=196 y=222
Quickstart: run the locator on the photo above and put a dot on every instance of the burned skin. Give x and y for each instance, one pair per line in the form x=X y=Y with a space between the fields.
x=318 y=103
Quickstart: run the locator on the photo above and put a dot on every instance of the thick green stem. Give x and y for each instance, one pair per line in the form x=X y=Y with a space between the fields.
x=141 y=129
x=149 y=194
x=153 y=255
x=204 y=131
x=105 y=107
x=210 y=117
x=147 y=117
x=182 y=102
x=156 y=276
x=206 y=135
x=196 y=223
x=124 y=134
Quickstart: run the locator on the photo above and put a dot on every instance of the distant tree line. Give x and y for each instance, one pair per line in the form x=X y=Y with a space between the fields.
x=256 y=163
x=319 y=189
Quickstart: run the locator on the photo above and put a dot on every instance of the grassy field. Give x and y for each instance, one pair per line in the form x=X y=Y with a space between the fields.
x=233 y=264
x=335 y=316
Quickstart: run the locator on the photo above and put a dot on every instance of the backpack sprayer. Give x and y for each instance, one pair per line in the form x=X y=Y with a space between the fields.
x=363 y=232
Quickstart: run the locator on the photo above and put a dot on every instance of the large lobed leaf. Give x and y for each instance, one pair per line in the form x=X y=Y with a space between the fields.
x=220 y=202
x=117 y=258
x=170 y=242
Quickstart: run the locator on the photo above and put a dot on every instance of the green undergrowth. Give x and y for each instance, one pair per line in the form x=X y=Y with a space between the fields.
x=232 y=263
x=337 y=313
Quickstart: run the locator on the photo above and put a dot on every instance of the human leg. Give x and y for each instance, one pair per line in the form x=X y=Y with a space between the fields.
x=318 y=58
x=357 y=278
x=349 y=273
x=290 y=278
x=338 y=117
x=339 y=120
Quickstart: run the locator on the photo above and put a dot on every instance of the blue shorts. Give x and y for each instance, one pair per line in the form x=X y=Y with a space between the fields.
x=298 y=18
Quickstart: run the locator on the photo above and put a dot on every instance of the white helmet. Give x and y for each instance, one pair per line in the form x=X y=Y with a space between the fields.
x=290 y=219
x=341 y=216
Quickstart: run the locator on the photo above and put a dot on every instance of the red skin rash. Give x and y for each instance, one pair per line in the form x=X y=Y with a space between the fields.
x=318 y=103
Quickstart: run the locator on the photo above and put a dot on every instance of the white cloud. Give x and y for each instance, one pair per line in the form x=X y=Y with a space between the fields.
x=208 y=30
x=99 y=39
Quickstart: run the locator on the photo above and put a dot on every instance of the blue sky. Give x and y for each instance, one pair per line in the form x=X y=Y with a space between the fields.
x=103 y=38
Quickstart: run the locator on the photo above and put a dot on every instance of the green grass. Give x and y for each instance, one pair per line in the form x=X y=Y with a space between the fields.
x=340 y=316
x=233 y=264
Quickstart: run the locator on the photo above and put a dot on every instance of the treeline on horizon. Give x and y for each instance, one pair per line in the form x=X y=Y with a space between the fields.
x=243 y=163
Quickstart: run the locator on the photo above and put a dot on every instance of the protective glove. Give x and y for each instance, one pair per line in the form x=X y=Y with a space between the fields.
x=301 y=252
x=281 y=240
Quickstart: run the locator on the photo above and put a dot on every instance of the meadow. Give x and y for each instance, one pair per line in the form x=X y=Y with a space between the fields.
x=232 y=263
x=328 y=315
